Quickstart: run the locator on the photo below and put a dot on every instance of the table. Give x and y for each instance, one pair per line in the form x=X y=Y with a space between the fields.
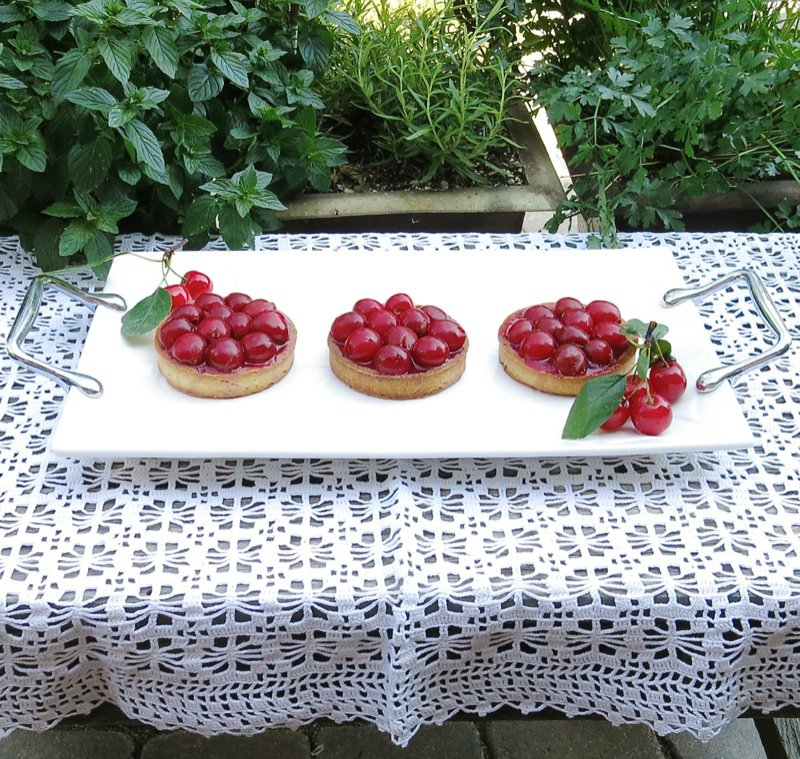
x=235 y=595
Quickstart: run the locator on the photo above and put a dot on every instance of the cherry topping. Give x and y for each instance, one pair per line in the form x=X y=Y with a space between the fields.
x=190 y=312
x=258 y=348
x=171 y=330
x=362 y=345
x=197 y=283
x=189 y=349
x=405 y=337
x=179 y=294
x=240 y=324
x=566 y=304
x=434 y=312
x=548 y=324
x=577 y=317
x=534 y=313
x=569 y=360
x=381 y=320
x=398 y=302
x=572 y=335
x=392 y=359
x=416 y=319
x=225 y=355
x=537 y=346
x=273 y=325
x=599 y=352
x=603 y=311
x=430 y=351
x=207 y=300
x=237 y=301
x=449 y=331
x=612 y=334
x=213 y=329
x=258 y=306
x=220 y=311
x=344 y=324
x=365 y=305
x=518 y=331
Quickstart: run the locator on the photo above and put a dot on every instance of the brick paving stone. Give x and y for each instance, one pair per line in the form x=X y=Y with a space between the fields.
x=66 y=744
x=272 y=744
x=567 y=739
x=453 y=740
x=740 y=740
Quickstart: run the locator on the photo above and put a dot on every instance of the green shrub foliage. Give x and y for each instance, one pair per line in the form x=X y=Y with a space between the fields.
x=190 y=116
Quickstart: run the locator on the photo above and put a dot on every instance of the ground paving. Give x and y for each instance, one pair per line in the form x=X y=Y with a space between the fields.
x=108 y=734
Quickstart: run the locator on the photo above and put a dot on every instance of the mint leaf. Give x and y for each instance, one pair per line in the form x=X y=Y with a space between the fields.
x=593 y=405
x=147 y=314
x=162 y=49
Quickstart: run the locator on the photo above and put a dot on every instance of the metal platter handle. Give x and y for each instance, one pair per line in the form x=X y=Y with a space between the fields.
x=713 y=378
x=26 y=317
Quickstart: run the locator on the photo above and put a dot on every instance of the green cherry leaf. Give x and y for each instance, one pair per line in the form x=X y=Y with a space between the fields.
x=593 y=405
x=147 y=314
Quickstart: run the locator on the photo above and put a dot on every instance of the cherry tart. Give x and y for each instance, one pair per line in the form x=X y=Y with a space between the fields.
x=557 y=347
x=396 y=349
x=224 y=347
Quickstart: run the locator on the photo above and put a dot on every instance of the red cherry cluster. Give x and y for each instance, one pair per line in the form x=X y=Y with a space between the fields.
x=224 y=334
x=648 y=402
x=397 y=337
x=567 y=337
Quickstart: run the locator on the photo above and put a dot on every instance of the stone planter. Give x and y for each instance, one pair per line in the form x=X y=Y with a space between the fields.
x=478 y=209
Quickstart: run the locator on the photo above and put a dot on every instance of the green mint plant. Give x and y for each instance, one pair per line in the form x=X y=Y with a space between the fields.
x=428 y=85
x=187 y=116
x=658 y=102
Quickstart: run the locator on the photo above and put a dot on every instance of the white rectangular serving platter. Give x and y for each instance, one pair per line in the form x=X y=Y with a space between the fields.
x=311 y=413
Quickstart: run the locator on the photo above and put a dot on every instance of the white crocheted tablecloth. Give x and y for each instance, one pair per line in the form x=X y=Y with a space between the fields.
x=235 y=595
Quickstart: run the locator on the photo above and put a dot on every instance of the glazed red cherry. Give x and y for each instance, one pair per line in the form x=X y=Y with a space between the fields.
x=258 y=306
x=213 y=329
x=518 y=331
x=534 y=313
x=537 y=346
x=196 y=283
x=650 y=415
x=220 y=311
x=449 y=331
x=381 y=320
x=405 y=337
x=207 y=300
x=237 y=301
x=434 y=312
x=612 y=334
x=365 y=305
x=240 y=324
x=563 y=305
x=579 y=318
x=362 y=345
x=171 y=330
x=273 y=325
x=398 y=302
x=179 y=295
x=548 y=324
x=668 y=379
x=190 y=312
x=618 y=417
x=346 y=323
x=603 y=311
x=258 y=348
x=392 y=359
x=599 y=352
x=416 y=319
x=189 y=349
x=571 y=335
x=225 y=355
x=430 y=351
x=569 y=360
